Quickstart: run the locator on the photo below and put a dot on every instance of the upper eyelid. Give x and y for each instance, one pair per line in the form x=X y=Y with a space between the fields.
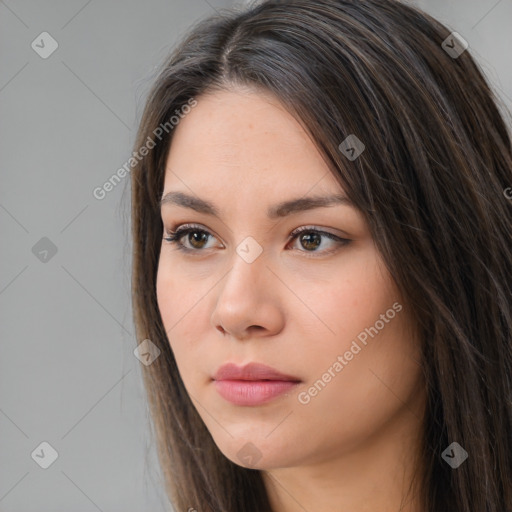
x=190 y=227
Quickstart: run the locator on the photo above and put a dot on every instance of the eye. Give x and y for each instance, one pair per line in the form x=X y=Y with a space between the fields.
x=309 y=238
x=200 y=236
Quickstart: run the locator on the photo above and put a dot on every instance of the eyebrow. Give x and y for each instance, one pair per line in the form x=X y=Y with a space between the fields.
x=274 y=212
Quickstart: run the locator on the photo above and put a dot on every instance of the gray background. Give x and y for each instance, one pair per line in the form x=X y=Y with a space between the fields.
x=68 y=375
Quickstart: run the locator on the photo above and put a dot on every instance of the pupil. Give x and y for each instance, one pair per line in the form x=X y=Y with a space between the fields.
x=308 y=237
x=195 y=237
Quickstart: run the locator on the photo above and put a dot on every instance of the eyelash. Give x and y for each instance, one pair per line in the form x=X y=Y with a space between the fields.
x=174 y=237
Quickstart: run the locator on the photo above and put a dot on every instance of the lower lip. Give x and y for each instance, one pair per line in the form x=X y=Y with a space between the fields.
x=252 y=392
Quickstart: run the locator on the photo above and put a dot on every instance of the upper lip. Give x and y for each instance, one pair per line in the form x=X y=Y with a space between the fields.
x=251 y=371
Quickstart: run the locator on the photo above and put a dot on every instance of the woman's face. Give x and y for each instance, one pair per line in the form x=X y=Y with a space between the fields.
x=319 y=309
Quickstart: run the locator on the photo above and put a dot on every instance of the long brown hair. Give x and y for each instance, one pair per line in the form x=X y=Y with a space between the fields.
x=430 y=184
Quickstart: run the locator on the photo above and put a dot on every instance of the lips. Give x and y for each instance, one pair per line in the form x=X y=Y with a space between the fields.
x=254 y=384
x=251 y=372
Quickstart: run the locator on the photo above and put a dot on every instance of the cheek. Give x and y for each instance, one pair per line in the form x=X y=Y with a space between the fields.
x=178 y=314
x=175 y=293
x=164 y=293
x=171 y=304
x=349 y=299
x=182 y=303
x=362 y=318
x=373 y=381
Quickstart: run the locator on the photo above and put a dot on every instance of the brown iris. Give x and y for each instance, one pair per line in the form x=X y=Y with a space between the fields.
x=310 y=238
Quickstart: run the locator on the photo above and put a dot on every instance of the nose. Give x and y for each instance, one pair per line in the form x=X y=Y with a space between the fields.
x=249 y=301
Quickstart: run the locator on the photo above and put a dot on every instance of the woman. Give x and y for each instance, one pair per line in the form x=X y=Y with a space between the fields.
x=322 y=252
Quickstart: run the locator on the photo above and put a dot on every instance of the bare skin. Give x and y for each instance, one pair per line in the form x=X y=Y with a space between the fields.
x=302 y=303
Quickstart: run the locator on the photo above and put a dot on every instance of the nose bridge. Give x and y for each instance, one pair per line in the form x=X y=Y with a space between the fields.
x=249 y=268
x=246 y=298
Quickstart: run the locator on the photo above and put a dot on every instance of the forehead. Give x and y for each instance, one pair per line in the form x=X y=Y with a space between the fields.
x=243 y=138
